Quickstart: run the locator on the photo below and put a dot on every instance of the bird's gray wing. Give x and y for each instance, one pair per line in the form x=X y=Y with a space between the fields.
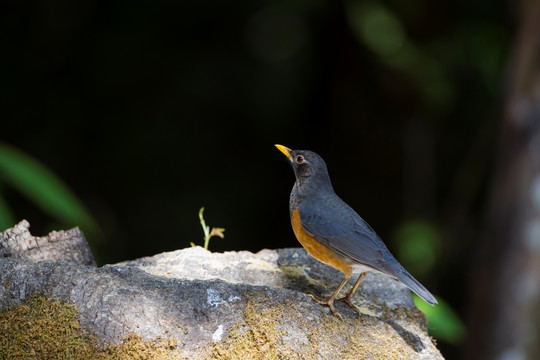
x=337 y=226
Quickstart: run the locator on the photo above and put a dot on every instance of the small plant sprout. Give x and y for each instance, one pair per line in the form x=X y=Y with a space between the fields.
x=208 y=233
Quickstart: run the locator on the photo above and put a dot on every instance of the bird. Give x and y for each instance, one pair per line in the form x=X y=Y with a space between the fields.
x=333 y=233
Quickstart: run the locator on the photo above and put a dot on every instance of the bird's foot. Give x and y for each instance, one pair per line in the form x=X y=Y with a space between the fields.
x=347 y=299
x=327 y=302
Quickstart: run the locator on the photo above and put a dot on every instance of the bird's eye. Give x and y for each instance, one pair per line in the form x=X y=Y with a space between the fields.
x=299 y=159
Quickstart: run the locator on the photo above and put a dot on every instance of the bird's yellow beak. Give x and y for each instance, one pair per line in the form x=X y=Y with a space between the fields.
x=284 y=150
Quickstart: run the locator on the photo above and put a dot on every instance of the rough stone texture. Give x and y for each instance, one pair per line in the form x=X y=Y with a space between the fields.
x=69 y=245
x=235 y=305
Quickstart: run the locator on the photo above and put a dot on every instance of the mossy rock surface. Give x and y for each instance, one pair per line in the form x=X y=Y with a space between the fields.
x=195 y=304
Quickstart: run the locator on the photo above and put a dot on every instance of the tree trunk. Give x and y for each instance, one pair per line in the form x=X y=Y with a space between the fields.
x=505 y=310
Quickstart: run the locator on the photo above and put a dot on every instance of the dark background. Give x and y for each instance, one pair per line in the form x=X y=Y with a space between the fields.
x=150 y=110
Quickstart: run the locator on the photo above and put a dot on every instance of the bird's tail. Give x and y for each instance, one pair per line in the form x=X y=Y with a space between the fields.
x=415 y=286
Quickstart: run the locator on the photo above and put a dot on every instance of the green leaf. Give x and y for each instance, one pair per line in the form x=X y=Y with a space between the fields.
x=419 y=244
x=443 y=323
x=7 y=219
x=43 y=188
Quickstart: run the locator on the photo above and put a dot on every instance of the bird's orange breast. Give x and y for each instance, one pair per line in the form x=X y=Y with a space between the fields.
x=317 y=249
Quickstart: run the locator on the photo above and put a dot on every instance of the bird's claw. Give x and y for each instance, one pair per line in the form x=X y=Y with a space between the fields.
x=329 y=303
x=347 y=300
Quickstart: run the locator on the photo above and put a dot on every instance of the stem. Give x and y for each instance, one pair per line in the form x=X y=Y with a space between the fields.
x=206 y=229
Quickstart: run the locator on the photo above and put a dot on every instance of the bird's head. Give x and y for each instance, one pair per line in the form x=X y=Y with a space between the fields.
x=309 y=168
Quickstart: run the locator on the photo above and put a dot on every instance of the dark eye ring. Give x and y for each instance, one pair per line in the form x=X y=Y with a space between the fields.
x=299 y=159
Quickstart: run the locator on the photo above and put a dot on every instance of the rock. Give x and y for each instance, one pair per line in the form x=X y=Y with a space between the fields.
x=233 y=305
x=69 y=245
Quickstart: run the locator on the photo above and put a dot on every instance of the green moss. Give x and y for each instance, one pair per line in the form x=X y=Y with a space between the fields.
x=41 y=328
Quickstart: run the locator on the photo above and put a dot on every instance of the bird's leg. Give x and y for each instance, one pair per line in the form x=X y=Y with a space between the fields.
x=349 y=296
x=330 y=301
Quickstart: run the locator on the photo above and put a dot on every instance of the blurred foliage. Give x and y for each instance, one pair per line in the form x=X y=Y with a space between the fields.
x=43 y=188
x=429 y=64
x=381 y=30
x=6 y=217
x=418 y=246
x=443 y=322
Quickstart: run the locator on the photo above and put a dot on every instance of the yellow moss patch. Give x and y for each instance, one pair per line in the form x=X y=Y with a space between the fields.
x=134 y=347
x=371 y=339
x=261 y=336
x=41 y=328
x=254 y=338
